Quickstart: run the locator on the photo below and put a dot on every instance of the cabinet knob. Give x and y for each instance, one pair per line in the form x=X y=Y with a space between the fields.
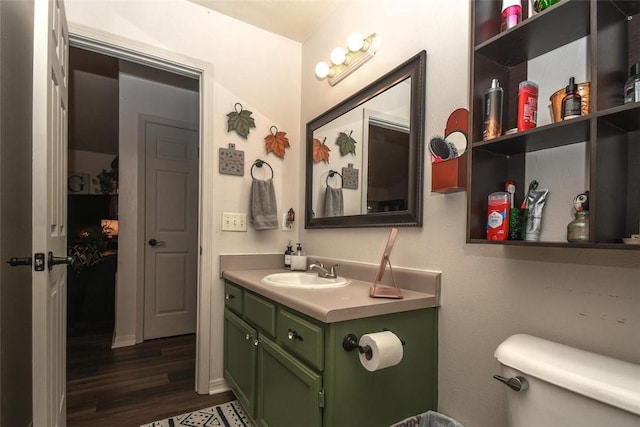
x=229 y=296
x=256 y=342
x=247 y=337
x=293 y=335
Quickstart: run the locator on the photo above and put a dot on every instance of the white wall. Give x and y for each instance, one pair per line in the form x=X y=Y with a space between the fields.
x=585 y=298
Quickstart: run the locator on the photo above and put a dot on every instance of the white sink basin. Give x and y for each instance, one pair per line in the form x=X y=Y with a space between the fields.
x=303 y=280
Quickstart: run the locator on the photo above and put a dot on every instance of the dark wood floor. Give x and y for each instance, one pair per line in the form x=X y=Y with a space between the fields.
x=134 y=385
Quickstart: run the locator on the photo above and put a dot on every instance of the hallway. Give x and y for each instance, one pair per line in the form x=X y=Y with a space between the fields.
x=133 y=385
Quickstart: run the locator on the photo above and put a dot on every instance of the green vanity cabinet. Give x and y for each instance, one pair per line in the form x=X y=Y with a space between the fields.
x=288 y=392
x=302 y=338
x=233 y=297
x=357 y=397
x=301 y=376
x=240 y=347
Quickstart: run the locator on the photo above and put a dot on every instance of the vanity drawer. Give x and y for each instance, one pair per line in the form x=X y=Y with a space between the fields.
x=233 y=297
x=301 y=337
x=260 y=313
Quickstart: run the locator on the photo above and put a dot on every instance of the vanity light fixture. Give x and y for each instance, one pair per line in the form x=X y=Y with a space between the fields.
x=344 y=62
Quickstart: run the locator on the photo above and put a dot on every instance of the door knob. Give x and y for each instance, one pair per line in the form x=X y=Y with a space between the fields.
x=55 y=260
x=14 y=262
x=154 y=242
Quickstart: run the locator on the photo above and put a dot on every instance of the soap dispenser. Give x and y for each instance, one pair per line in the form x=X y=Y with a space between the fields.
x=299 y=260
x=287 y=256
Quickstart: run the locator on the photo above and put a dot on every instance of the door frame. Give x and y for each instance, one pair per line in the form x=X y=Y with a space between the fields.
x=131 y=50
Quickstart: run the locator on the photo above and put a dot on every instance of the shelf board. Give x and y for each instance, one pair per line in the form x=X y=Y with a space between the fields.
x=625 y=117
x=521 y=243
x=534 y=36
x=540 y=138
x=628 y=7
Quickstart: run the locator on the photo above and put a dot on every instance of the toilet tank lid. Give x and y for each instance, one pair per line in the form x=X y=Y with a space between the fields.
x=612 y=381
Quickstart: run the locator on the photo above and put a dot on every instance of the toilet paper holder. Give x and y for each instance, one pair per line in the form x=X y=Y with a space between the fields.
x=350 y=343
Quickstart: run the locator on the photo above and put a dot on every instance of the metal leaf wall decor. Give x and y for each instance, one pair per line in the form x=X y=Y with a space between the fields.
x=320 y=151
x=346 y=143
x=240 y=121
x=276 y=142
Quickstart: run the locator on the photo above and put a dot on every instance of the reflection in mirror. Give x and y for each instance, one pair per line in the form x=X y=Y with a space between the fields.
x=374 y=139
x=386 y=170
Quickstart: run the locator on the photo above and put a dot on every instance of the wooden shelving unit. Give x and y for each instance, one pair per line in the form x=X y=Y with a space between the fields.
x=611 y=131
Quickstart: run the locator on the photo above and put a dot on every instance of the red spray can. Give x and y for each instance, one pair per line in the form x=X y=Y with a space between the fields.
x=527 y=105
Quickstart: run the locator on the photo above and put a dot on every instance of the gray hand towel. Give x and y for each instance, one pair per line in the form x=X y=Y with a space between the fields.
x=333 y=202
x=263 y=209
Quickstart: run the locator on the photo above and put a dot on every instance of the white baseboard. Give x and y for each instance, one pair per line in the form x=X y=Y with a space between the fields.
x=125 y=341
x=219 y=385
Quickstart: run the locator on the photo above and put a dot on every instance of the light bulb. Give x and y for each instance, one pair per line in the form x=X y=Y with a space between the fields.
x=355 y=42
x=322 y=70
x=338 y=56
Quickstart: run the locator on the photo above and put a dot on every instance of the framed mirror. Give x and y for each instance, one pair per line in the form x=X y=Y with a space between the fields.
x=365 y=156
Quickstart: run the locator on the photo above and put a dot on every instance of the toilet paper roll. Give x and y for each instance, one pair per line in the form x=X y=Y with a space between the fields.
x=386 y=350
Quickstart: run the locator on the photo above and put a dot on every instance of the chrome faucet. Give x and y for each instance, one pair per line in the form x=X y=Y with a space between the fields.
x=323 y=272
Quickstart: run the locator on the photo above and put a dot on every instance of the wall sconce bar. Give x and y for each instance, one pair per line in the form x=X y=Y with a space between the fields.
x=344 y=62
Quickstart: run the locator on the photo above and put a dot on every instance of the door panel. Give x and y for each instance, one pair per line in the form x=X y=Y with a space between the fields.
x=49 y=218
x=240 y=359
x=170 y=268
x=171 y=203
x=288 y=391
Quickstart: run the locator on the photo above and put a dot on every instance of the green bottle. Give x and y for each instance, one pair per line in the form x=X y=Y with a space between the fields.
x=541 y=5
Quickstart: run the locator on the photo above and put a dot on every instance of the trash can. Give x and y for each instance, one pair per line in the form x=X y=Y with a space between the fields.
x=428 y=419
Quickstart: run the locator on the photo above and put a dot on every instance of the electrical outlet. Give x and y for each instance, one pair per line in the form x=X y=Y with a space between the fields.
x=286 y=225
x=234 y=222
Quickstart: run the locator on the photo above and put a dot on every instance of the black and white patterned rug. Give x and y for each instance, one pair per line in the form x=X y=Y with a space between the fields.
x=228 y=414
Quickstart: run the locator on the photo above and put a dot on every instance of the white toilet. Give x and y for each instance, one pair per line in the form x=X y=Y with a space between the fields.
x=562 y=386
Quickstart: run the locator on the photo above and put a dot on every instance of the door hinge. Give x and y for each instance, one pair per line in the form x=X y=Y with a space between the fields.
x=321 y=398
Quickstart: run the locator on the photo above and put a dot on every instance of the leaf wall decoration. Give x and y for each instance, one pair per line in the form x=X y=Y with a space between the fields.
x=346 y=143
x=276 y=142
x=320 y=151
x=240 y=121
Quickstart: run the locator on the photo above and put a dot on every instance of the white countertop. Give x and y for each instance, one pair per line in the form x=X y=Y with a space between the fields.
x=330 y=305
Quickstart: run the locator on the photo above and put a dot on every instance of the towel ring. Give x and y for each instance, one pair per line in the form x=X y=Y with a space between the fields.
x=331 y=175
x=259 y=163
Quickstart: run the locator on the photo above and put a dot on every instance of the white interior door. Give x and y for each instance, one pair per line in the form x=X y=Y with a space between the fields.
x=50 y=96
x=171 y=209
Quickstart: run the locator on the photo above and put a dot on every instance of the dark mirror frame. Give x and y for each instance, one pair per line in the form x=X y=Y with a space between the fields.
x=415 y=68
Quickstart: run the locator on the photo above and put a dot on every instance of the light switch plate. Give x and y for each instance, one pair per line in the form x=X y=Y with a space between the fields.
x=234 y=221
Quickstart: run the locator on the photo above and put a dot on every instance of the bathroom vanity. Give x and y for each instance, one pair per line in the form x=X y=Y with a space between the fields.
x=285 y=361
